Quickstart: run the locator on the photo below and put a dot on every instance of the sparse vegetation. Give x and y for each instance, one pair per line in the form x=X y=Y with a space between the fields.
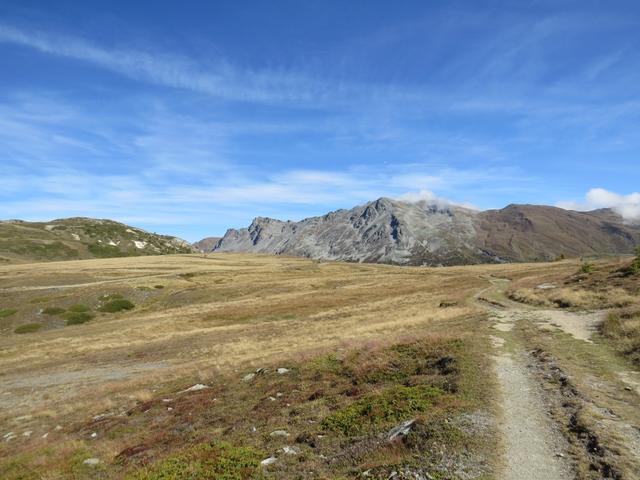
x=116 y=305
x=53 y=311
x=109 y=296
x=106 y=251
x=28 y=328
x=7 y=312
x=78 y=308
x=622 y=329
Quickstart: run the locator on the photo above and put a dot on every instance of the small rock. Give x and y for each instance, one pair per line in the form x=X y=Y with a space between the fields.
x=279 y=433
x=94 y=435
x=92 y=462
x=282 y=371
x=9 y=438
x=628 y=389
x=9 y=434
x=45 y=435
x=167 y=400
x=401 y=430
x=27 y=433
x=560 y=455
x=273 y=399
x=196 y=387
x=268 y=461
x=169 y=409
x=279 y=394
x=248 y=377
x=58 y=428
x=290 y=450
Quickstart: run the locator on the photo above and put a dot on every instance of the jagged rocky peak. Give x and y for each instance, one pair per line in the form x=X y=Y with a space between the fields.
x=436 y=233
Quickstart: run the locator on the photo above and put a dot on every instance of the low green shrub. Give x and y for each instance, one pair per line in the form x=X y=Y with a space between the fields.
x=219 y=460
x=77 y=318
x=587 y=267
x=53 y=311
x=7 y=312
x=28 y=328
x=116 y=306
x=634 y=268
x=391 y=405
x=159 y=287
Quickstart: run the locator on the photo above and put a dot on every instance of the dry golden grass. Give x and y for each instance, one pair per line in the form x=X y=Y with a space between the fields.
x=215 y=317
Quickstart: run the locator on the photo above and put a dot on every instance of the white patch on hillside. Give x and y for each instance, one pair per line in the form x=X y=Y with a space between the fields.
x=75 y=236
x=140 y=244
x=112 y=243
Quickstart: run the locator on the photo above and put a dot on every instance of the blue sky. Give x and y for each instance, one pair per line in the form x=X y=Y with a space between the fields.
x=192 y=117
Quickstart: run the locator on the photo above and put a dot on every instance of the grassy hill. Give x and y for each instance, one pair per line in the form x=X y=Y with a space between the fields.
x=80 y=238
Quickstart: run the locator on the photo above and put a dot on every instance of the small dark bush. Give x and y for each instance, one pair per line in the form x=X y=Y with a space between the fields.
x=77 y=318
x=7 y=312
x=159 y=287
x=28 y=328
x=53 y=311
x=116 y=306
x=587 y=267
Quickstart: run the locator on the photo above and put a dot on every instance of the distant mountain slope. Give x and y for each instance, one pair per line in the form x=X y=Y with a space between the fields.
x=76 y=238
x=206 y=244
x=391 y=231
x=533 y=232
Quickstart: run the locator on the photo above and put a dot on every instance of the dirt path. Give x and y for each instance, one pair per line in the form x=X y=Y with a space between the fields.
x=534 y=444
x=534 y=449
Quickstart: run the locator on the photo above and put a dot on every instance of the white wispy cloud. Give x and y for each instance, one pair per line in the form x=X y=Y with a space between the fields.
x=628 y=206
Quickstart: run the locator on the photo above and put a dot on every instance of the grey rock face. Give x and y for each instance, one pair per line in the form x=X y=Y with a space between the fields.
x=385 y=231
x=392 y=231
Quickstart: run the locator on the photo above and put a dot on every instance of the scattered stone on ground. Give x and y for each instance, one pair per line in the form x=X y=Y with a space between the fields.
x=268 y=461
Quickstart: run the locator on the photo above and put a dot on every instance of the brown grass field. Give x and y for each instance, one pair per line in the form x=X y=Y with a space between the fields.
x=113 y=388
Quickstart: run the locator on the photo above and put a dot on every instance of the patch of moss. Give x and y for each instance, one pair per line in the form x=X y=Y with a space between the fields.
x=7 y=312
x=77 y=318
x=28 y=328
x=221 y=461
x=393 y=404
x=53 y=311
x=117 y=305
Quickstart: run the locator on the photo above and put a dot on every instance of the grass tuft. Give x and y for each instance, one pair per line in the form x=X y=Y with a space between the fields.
x=77 y=318
x=28 y=328
x=7 y=312
x=117 y=305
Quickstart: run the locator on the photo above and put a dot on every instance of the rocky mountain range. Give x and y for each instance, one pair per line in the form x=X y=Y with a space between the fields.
x=78 y=238
x=392 y=231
